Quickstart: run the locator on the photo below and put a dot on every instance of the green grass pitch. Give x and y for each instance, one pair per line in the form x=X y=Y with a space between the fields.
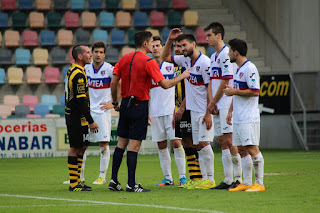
x=292 y=181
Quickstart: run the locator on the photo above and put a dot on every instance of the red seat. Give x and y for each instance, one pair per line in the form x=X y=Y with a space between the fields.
x=157 y=19
x=71 y=19
x=201 y=36
x=179 y=4
x=52 y=75
x=30 y=38
x=8 y=4
x=30 y=100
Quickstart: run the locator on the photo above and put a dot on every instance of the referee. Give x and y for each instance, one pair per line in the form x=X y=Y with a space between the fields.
x=136 y=71
x=77 y=110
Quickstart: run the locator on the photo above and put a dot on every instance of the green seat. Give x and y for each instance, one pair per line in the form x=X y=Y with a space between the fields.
x=58 y=109
x=54 y=19
x=174 y=18
x=14 y=116
x=112 y=4
x=131 y=33
x=18 y=19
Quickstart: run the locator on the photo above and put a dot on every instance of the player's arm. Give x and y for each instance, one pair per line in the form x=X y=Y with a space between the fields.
x=178 y=114
x=229 y=116
x=114 y=91
x=230 y=91
x=168 y=83
x=166 y=52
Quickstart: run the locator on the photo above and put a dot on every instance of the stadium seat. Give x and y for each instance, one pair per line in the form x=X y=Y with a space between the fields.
x=112 y=4
x=11 y=101
x=30 y=100
x=71 y=19
x=30 y=38
x=22 y=110
x=23 y=56
x=43 y=4
x=165 y=34
x=60 y=4
x=174 y=18
x=70 y=55
x=117 y=37
x=36 y=19
x=157 y=19
x=11 y=38
x=163 y=4
x=179 y=4
x=123 y=19
x=154 y=32
x=5 y=56
x=126 y=50
x=52 y=75
x=88 y=19
x=34 y=75
x=191 y=18
x=58 y=56
x=58 y=109
x=2 y=76
x=54 y=19
x=140 y=19
x=33 y=116
x=49 y=100
x=201 y=36
x=42 y=110
x=112 y=55
x=77 y=4
x=100 y=35
x=146 y=4
x=5 y=111
x=64 y=71
x=95 y=4
x=131 y=33
x=106 y=19
x=25 y=4
x=82 y=36
x=129 y=4
x=4 y=18
x=15 y=75
x=52 y=116
x=40 y=56
x=210 y=51
x=0 y=39
x=65 y=37
x=18 y=19
x=47 y=38
x=8 y=4
x=202 y=49
x=187 y=30
x=62 y=100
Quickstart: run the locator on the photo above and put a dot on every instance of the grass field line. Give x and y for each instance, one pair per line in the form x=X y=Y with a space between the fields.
x=51 y=205
x=111 y=203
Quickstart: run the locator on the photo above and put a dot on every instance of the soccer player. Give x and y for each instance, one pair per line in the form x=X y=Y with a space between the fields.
x=196 y=101
x=246 y=117
x=161 y=110
x=221 y=75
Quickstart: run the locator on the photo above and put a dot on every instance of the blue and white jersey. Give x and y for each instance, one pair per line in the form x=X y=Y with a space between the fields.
x=99 y=85
x=246 y=109
x=196 y=84
x=162 y=100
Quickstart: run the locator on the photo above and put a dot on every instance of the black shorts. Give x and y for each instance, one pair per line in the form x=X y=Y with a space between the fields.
x=78 y=135
x=133 y=121
x=183 y=127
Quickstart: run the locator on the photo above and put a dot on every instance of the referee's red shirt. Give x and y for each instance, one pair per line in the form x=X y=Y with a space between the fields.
x=136 y=71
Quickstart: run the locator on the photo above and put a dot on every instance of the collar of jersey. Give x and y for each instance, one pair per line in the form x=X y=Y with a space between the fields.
x=195 y=60
x=94 y=69
x=80 y=67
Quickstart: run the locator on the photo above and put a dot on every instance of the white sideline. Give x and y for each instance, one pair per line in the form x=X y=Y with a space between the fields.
x=111 y=203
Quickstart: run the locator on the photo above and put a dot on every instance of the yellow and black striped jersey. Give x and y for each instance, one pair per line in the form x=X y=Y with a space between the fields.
x=180 y=87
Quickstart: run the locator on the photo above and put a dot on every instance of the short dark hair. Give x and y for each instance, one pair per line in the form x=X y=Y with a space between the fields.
x=216 y=28
x=157 y=38
x=76 y=50
x=239 y=45
x=99 y=44
x=141 y=37
x=189 y=37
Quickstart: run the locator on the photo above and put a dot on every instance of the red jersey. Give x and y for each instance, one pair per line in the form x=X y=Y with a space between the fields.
x=136 y=71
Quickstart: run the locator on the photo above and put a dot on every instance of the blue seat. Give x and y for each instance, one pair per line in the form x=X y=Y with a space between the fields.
x=62 y=100
x=47 y=38
x=60 y=4
x=4 y=18
x=25 y=4
x=49 y=100
x=5 y=56
x=210 y=51
x=164 y=34
x=22 y=110
x=42 y=110
x=22 y=56
x=2 y=75
x=64 y=71
x=117 y=37
x=95 y=4
x=140 y=19
x=77 y=4
x=106 y=19
x=146 y=4
x=100 y=35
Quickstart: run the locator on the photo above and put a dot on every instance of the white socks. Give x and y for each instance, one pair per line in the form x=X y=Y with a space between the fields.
x=165 y=162
x=83 y=166
x=237 y=169
x=246 y=163
x=104 y=160
x=227 y=166
x=258 y=163
x=206 y=161
x=179 y=156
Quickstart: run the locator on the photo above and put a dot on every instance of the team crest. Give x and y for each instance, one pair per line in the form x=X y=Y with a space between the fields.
x=241 y=74
x=219 y=61
x=197 y=68
x=103 y=72
x=168 y=69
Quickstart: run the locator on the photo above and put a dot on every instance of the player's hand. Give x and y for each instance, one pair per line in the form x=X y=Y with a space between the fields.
x=174 y=33
x=211 y=107
x=208 y=119
x=94 y=127
x=229 y=91
x=178 y=115
x=229 y=118
x=186 y=73
x=106 y=106
x=149 y=121
x=116 y=107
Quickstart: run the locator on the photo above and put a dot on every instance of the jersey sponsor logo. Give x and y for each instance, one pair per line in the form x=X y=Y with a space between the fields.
x=195 y=79
x=81 y=88
x=99 y=83
x=252 y=75
x=80 y=80
x=216 y=73
x=184 y=124
x=239 y=85
x=153 y=85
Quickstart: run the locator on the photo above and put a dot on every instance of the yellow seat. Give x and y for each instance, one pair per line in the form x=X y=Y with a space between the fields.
x=129 y=4
x=12 y=101
x=43 y=4
x=65 y=37
x=15 y=75
x=191 y=18
x=88 y=19
x=40 y=56
x=34 y=75
x=154 y=32
x=202 y=49
x=36 y=19
x=123 y=19
x=11 y=38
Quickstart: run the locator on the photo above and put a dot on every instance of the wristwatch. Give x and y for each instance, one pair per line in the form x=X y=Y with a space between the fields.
x=115 y=103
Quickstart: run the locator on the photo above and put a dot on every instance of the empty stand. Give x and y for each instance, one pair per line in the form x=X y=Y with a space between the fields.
x=25 y=4
x=22 y=110
x=201 y=36
x=140 y=19
x=5 y=111
x=52 y=75
x=157 y=19
x=54 y=19
x=62 y=100
x=11 y=38
x=47 y=38
x=4 y=18
x=36 y=19
x=58 y=109
x=43 y=4
x=65 y=37
x=154 y=32
x=52 y=116
x=5 y=56
x=40 y=56
x=191 y=18
x=2 y=76
x=23 y=56
x=174 y=18
x=106 y=19
x=48 y=100
x=100 y=35
x=33 y=116
x=82 y=36
x=95 y=4
x=18 y=19
x=165 y=34
x=112 y=4
x=30 y=38
x=58 y=55
x=202 y=49
x=123 y=19
x=179 y=4
x=163 y=4
x=117 y=37
x=146 y=4
x=41 y=110
x=15 y=75
x=11 y=101
x=88 y=19
x=126 y=50
x=8 y=4
x=60 y=4
x=34 y=75
x=30 y=100
x=210 y=51
x=131 y=33
x=129 y=4
x=77 y=4
x=112 y=55
x=71 y=19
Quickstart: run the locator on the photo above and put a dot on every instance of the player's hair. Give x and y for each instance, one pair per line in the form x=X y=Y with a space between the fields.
x=216 y=28
x=99 y=44
x=239 y=45
x=157 y=38
x=141 y=37
x=189 y=37
x=76 y=50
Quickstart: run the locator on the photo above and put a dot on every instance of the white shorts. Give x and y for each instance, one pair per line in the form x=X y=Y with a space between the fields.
x=161 y=128
x=245 y=134
x=220 y=123
x=199 y=130
x=104 y=122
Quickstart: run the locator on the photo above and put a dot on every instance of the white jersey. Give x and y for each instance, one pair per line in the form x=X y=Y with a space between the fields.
x=99 y=85
x=162 y=100
x=246 y=109
x=196 y=84
x=221 y=68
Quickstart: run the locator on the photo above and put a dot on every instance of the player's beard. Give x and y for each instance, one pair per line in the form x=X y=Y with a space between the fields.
x=188 y=53
x=233 y=60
